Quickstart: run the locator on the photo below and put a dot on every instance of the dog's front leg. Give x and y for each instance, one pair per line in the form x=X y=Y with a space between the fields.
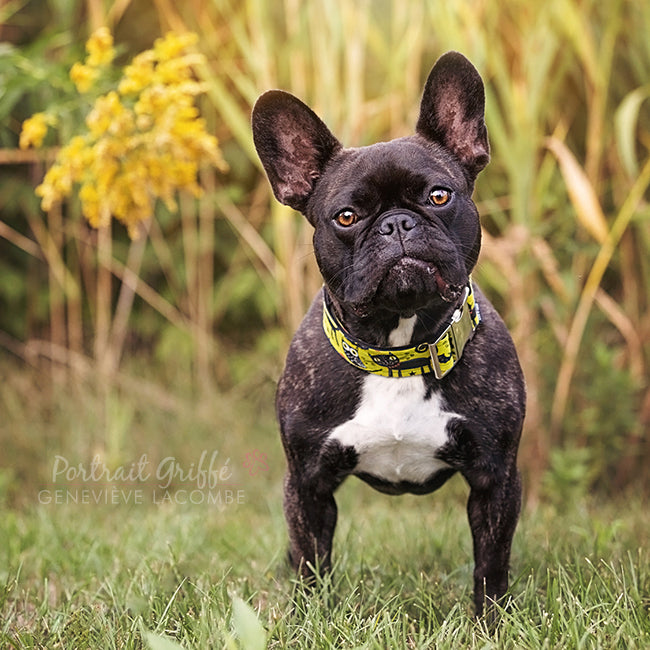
x=311 y=515
x=309 y=505
x=493 y=511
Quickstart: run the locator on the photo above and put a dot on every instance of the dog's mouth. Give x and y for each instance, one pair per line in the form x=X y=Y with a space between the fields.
x=412 y=283
x=406 y=286
x=410 y=273
x=447 y=291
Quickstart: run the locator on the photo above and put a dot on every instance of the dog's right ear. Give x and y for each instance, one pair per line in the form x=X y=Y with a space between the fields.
x=293 y=144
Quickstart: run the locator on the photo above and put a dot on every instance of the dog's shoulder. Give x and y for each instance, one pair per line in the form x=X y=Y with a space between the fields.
x=317 y=384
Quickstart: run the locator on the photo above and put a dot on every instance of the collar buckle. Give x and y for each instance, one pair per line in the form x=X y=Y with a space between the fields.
x=448 y=348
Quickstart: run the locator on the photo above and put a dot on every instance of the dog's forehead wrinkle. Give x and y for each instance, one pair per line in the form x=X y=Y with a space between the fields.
x=395 y=173
x=390 y=184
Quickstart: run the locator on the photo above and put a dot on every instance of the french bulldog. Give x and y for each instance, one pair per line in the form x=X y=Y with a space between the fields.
x=402 y=373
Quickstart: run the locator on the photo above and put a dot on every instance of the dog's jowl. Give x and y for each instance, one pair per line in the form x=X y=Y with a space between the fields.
x=402 y=373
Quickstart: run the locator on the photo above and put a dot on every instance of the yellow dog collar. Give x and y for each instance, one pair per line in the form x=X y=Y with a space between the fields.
x=438 y=357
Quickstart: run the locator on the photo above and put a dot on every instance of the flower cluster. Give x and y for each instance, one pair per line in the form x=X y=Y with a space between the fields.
x=100 y=54
x=142 y=140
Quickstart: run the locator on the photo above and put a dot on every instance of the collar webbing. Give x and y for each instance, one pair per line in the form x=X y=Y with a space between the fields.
x=438 y=357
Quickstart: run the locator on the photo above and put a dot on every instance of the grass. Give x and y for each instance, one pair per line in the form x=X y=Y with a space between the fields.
x=149 y=574
x=92 y=577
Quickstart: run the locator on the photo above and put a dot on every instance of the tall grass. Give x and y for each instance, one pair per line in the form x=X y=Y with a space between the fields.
x=563 y=202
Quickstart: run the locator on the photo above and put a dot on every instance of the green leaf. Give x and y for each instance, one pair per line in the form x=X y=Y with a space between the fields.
x=247 y=627
x=156 y=642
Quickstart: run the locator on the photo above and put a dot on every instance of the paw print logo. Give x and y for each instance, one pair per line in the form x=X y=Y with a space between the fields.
x=255 y=462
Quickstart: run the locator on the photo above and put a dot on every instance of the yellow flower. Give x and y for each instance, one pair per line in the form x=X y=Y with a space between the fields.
x=83 y=76
x=100 y=48
x=90 y=203
x=138 y=74
x=105 y=171
x=144 y=122
x=177 y=70
x=171 y=45
x=106 y=110
x=34 y=130
x=143 y=141
x=76 y=156
x=56 y=185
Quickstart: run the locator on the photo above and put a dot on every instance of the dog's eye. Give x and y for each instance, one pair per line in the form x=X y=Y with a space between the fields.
x=439 y=196
x=346 y=218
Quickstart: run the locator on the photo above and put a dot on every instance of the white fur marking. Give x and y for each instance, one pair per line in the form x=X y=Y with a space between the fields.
x=401 y=335
x=395 y=431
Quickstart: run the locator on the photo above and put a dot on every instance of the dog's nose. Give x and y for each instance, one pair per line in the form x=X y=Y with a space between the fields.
x=397 y=222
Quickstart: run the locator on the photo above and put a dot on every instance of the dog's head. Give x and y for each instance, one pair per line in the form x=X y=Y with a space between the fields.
x=395 y=227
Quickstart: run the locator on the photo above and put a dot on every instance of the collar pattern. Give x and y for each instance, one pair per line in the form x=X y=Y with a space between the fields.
x=438 y=357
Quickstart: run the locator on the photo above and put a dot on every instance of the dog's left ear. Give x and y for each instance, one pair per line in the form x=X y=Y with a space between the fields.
x=452 y=111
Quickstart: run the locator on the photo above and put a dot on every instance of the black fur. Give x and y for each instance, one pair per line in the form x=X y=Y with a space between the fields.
x=401 y=256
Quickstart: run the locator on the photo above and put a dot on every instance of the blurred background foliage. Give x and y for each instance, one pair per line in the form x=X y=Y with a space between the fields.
x=200 y=310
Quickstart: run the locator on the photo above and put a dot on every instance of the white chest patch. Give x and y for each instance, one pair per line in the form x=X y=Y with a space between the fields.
x=396 y=431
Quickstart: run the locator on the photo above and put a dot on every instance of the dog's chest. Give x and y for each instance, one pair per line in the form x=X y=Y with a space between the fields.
x=396 y=430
